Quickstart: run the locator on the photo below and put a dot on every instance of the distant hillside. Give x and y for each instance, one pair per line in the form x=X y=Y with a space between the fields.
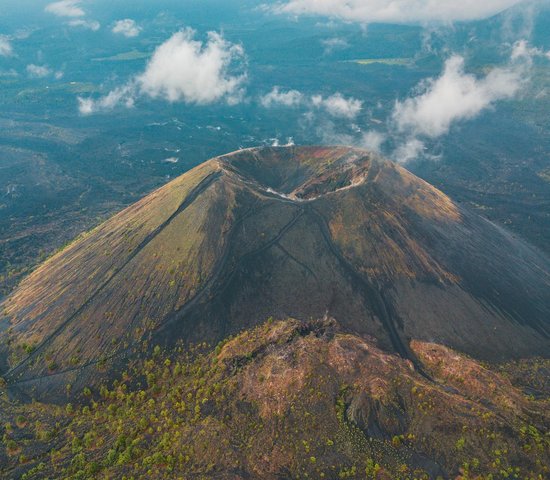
x=290 y=400
x=289 y=231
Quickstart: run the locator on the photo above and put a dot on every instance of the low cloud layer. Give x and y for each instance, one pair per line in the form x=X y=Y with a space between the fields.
x=8 y=73
x=522 y=50
x=373 y=140
x=188 y=70
x=38 y=71
x=72 y=10
x=183 y=69
x=124 y=95
x=92 y=25
x=126 y=27
x=338 y=106
x=42 y=71
x=332 y=44
x=290 y=98
x=6 y=50
x=453 y=97
x=66 y=8
x=335 y=105
x=397 y=11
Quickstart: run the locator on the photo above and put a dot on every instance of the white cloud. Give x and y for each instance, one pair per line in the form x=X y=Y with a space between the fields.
x=373 y=140
x=290 y=98
x=66 y=8
x=335 y=43
x=123 y=95
x=182 y=69
x=6 y=50
x=275 y=142
x=8 y=73
x=409 y=150
x=188 y=70
x=328 y=132
x=338 y=106
x=87 y=106
x=38 y=71
x=397 y=11
x=454 y=96
x=522 y=50
x=42 y=71
x=126 y=27
x=92 y=25
x=72 y=9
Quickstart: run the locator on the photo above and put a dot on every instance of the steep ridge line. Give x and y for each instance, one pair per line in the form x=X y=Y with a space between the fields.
x=272 y=254
x=292 y=257
x=189 y=199
x=120 y=353
x=223 y=260
x=373 y=296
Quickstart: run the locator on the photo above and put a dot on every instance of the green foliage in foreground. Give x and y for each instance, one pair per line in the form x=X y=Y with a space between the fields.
x=203 y=413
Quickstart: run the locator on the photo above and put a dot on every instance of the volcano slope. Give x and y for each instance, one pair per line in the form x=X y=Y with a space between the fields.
x=289 y=231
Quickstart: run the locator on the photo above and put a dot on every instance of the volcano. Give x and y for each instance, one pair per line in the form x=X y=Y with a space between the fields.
x=282 y=232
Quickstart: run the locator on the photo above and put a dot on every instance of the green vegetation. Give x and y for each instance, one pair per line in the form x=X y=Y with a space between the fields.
x=384 y=61
x=123 y=57
x=189 y=242
x=329 y=405
x=62 y=88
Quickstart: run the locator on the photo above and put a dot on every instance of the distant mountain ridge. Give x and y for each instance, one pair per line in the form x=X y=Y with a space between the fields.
x=277 y=232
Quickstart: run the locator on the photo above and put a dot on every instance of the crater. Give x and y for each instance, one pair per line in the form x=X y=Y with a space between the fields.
x=303 y=173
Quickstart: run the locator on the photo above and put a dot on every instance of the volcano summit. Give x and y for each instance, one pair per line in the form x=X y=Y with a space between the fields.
x=301 y=232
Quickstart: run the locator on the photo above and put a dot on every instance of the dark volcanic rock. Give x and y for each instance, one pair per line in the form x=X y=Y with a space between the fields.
x=290 y=231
